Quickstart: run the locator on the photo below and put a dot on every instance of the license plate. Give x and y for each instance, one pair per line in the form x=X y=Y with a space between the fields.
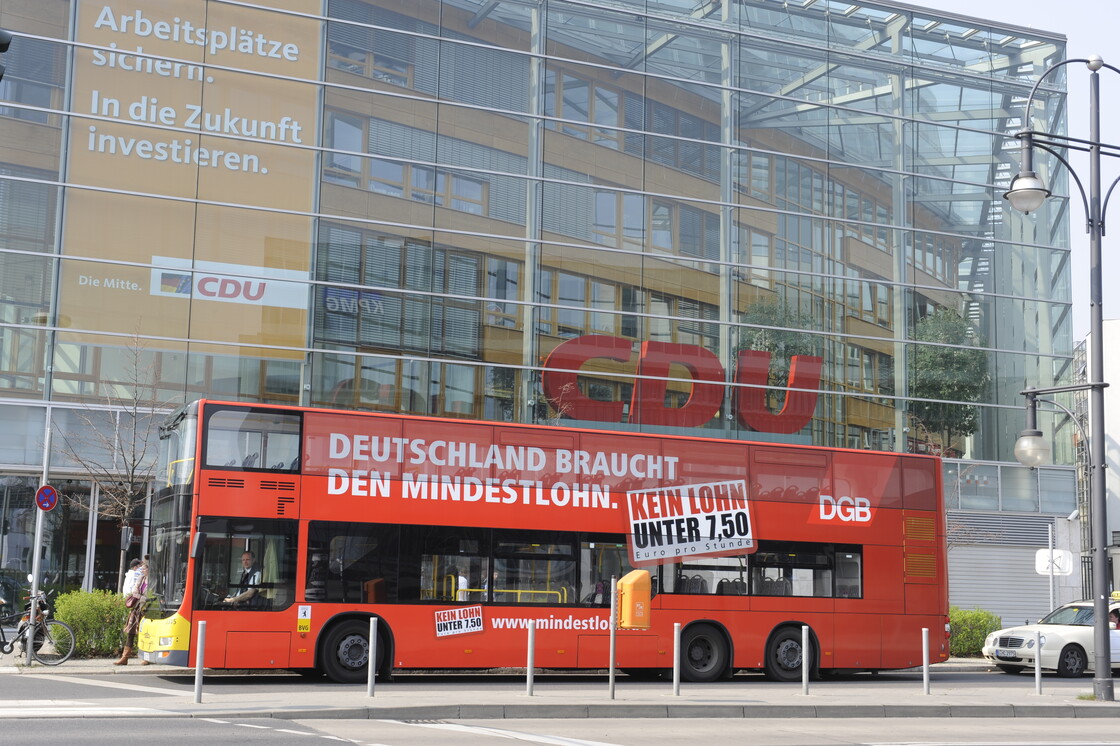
x=1006 y=654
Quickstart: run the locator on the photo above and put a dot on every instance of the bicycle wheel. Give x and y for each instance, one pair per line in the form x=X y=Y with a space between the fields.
x=54 y=642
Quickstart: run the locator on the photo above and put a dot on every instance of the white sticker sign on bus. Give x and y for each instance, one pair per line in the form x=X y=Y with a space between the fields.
x=689 y=520
x=458 y=621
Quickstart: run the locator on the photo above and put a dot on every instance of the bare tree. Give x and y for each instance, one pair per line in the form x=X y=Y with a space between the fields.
x=118 y=439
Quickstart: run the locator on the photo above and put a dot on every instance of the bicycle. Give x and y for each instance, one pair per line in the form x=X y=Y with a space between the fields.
x=52 y=641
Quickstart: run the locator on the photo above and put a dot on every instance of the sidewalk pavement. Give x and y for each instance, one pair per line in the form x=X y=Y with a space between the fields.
x=413 y=698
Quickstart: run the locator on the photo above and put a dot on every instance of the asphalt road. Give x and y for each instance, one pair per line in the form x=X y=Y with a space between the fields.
x=613 y=732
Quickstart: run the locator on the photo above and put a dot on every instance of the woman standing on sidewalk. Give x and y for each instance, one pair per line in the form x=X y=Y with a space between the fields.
x=135 y=584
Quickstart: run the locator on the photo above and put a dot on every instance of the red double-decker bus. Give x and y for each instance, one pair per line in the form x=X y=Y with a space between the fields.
x=286 y=529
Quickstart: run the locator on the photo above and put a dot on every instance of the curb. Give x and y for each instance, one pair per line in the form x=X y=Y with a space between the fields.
x=645 y=712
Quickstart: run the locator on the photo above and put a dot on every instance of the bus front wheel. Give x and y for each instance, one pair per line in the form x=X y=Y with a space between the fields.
x=703 y=653
x=346 y=653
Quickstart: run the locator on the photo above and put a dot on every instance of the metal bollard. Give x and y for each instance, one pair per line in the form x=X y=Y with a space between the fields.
x=677 y=659
x=805 y=655
x=529 y=664
x=925 y=659
x=1037 y=662
x=614 y=629
x=371 y=673
x=198 y=659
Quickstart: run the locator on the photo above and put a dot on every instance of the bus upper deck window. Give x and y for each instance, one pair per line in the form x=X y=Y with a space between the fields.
x=248 y=439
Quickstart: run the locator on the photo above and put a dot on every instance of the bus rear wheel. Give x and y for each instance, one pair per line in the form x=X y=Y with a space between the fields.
x=346 y=653
x=784 y=655
x=703 y=653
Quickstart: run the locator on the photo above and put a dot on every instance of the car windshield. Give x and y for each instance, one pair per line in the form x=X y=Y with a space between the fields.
x=1078 y=615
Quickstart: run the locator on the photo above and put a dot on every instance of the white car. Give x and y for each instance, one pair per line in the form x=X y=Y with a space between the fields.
x=1066 y=642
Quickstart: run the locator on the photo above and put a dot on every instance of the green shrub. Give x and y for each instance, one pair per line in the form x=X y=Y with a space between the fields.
x=967 y=630
x=97 y=618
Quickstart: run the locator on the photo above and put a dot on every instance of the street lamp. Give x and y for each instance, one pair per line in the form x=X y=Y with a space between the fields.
x=1027 y=192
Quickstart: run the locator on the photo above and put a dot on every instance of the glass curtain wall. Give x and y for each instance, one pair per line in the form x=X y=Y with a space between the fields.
x=504 y=180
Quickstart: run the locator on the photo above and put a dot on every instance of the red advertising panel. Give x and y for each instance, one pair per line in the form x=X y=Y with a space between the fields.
x=675 y=498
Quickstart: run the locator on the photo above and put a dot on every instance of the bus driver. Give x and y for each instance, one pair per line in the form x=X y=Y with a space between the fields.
x=248 y=588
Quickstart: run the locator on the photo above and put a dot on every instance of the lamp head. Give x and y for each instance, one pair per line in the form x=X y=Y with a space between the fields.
x=1027 y=192
x=1031 y=449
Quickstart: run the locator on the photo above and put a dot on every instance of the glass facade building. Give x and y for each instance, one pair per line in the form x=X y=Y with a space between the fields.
x=750 y=219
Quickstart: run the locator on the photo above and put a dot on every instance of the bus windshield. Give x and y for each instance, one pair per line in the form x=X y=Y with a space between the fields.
x=171 y=513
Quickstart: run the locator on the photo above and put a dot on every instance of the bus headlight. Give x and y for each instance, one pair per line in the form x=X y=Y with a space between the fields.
x=165 y=641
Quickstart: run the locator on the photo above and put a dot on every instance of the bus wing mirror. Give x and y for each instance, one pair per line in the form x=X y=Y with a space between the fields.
x=196 y=545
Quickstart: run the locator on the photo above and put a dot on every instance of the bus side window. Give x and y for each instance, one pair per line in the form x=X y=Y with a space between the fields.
x=442 y=564
x=345 y=558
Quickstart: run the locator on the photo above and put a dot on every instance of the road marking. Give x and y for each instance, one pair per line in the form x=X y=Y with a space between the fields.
x=112 y=684
x=500 y=733
x=250 y=725
x=20 y=709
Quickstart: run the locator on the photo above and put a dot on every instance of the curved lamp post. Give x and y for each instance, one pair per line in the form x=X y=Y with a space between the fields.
x=1027 y=192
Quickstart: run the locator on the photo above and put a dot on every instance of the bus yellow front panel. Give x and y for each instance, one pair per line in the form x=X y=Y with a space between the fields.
x=165 y=640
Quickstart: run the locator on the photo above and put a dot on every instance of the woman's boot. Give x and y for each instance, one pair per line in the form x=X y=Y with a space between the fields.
x=125 y=655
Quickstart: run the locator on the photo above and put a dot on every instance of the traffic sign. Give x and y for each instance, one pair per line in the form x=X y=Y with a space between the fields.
x=1056 y=561
x=46 y=497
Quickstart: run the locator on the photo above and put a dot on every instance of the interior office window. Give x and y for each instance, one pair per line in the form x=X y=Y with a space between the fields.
x=854 y=359
x=660 y=327
x=583 y=102
x=759 y=259
x=699 y=234
x=391 y=70
x=883 y=305
x=387 y=177
x=502 y=284
x=347 y=58
x=34 y=77
x=760 y=176
x=882 y=232
x=500 y=384
x=633 y=303
x=380 y=66
x=605 y=221
x=607 y=110
x=604 y=297
x=609 y=230
x=662 y=235
x=458 y=396
x=571 y=291
x=633 y=219
x=467 y=194
x=575 y=103
x=851 y=212
x=542 y=300
x=344 y=133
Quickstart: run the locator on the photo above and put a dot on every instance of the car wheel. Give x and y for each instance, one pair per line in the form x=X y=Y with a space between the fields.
x=1009 y=669
x=1072 y=662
